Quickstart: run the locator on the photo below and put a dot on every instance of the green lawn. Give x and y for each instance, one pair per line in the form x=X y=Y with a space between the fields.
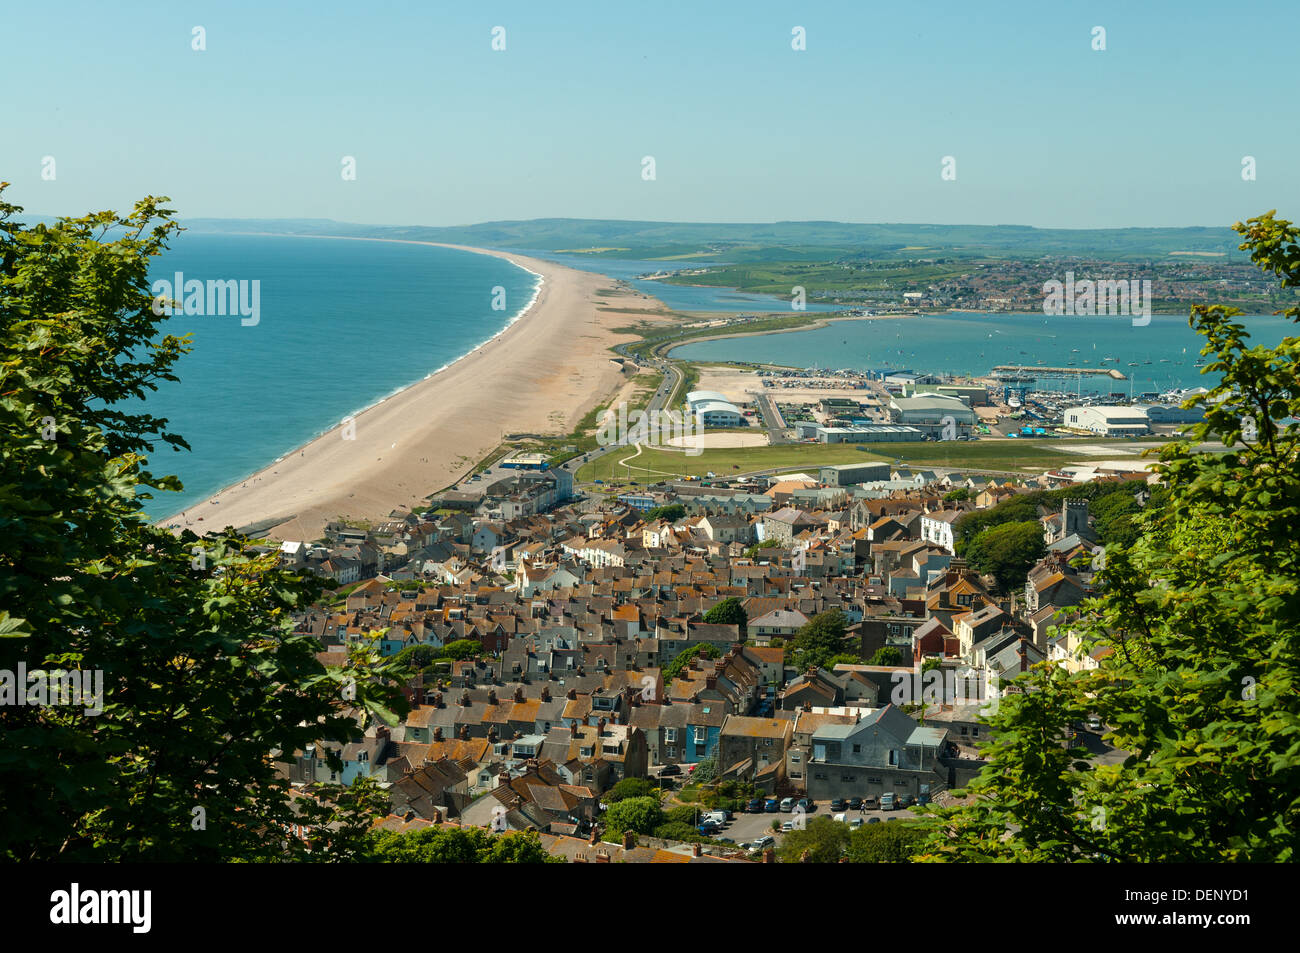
x=987 y=455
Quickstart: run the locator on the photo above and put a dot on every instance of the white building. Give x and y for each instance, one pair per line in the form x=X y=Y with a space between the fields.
x=1109 y=421
x=929 y=412
x=936 y=528
x=714 y=409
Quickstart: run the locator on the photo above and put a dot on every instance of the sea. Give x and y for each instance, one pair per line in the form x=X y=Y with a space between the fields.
x=1165 y=351
x=341 y=325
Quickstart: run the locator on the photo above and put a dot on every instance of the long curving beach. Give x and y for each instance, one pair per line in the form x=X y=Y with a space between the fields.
x=542 y=374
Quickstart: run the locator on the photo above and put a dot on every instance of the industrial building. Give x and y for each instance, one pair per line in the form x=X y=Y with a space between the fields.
x=927 y=412
x=851 y=474
x=1171 y=413
x=714 y=409
x=1109 y=421
x=976 y=395
x=864 y=433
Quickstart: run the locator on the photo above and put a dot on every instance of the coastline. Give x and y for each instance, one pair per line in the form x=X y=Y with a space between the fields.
x=430 y=433
x=816 y=325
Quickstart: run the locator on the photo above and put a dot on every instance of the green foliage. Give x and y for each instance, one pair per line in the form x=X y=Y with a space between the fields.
x=822 y=839
x=819 y=640
x=1202 y=616
x=683 y=659
x=670 y=513
x=204 y=681
x=1007 y=551
x=956 y=496
x=638 y=814
x=893 y=842
x=457 y=845
x=753 y=551
x=728 y=612
x=887 y=655
x=706 y=769
x=629 y=787
x=461 y=649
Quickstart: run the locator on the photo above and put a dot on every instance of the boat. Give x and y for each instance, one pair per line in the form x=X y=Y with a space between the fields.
x=1135 y=363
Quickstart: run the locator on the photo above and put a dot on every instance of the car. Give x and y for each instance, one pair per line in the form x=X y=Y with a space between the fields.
x=838 y=804
x=855 y=804
x=767 y=840
x=670 y=770
x=887 y=802
x=1094 y=723
x=807 y=805
x=707 y=827
x=856 y=823
x=869 y=803
x=755 y=806
x=718 y=818
x=873 y=820
x=725 y=840
x=841 y=818
x=787 y=826
x=771 y=806
x=787 y=805
x=907 y=800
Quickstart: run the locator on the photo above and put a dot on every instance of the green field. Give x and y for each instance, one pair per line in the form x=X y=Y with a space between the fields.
x=980 y=455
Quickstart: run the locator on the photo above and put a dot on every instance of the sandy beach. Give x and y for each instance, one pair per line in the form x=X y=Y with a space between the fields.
x=540 y=375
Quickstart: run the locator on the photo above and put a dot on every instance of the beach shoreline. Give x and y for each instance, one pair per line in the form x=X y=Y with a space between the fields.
x=546 y=368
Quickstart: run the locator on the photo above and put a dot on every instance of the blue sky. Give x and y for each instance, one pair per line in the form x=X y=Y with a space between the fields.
x=445 y=130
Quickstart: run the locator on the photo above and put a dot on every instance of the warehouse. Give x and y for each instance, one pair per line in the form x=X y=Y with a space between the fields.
x=714 y=409
x=866 y=433
x=930 y=413
x=1109 y=421
x=851 y=474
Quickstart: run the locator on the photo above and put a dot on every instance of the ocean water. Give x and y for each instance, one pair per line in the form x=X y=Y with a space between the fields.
x=677 y=297
x=972 y=344
x=342 y=325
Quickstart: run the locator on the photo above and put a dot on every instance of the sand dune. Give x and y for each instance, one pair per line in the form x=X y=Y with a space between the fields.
x=541 y=375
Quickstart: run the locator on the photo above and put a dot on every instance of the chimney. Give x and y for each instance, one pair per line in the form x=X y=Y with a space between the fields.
x=437 y=699
x=464 y=732
x=492 y=696
x=572 y=694
x=695 y=850
x=711 y=682
x=464 y=699
x=546 y=693
x=769 y=856
x=437 y=733
x=519 y=693
x=629 y=840
x=600 y=728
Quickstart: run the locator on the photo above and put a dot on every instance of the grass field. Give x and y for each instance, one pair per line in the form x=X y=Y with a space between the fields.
x=980 y=455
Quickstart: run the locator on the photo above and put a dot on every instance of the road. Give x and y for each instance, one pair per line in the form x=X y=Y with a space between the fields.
x=772 y=418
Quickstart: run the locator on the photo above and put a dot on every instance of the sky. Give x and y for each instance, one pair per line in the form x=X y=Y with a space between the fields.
x=1042 y=129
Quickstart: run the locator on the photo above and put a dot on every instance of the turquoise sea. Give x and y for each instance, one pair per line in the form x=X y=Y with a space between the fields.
x=342 y=325
x=972 y=344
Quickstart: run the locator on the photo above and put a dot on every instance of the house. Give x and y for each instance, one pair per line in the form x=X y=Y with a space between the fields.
x=936 y=528
x=753 y=749
x=885 y=750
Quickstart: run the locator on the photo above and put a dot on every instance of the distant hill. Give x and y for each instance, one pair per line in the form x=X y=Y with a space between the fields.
x=788 y=241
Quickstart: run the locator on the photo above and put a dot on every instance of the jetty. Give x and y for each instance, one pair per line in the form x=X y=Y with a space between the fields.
x=1039 y=371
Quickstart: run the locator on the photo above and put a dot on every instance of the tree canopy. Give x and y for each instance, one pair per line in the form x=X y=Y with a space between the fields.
x=204 y=682
x=819 y=640
x=728 y=612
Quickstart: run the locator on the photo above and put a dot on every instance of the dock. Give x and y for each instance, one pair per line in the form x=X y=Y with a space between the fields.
x=1038 y=370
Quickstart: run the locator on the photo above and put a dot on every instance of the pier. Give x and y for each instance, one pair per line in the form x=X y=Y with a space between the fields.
x=1039 y=371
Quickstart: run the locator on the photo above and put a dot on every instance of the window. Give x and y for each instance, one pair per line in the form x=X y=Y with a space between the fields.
x=588 y=751
x=893 y=757
x=701 y=735
x=794 y=757
x=857 y=749
x=963 y=730
x=670 y=751
x=767 y=742
x=670 y=734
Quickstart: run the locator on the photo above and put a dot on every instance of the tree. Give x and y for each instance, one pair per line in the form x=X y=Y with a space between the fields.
x=629 y=787
x=819 y=640
x=670 y=513
x=1201 y=615
x=683 y=659
x=753 y=551
x=822 y=839
x=706 y=769
x=1006 y=552
x=461 y=649
x=728 y=612
x=640 y=815
x=891 y=843
x=463 y=845
x=887 y=655
x=205 y=685
x=957 y=495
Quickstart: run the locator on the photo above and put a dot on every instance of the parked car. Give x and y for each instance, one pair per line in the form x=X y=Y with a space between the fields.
x=767 y=840
x=869 y=802
x=716 y=817
x=838 y=804
x=771 y=806
x=907 y=800
x=887 y=802
x=787 y=805
x=807 y=805
x=856 y=823
x=708 y=828
x=756 y=806
x=787 y=826
x=855 y=804
x=725 y=840
x=670 y=770
x=841 y=818
x=1094 y=723
x=873 y=820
